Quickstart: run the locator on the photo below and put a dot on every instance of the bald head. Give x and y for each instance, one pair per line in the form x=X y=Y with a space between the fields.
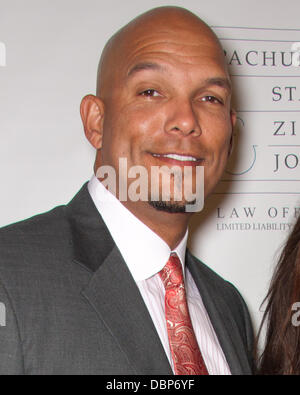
x=163 y=93
x=159 y=24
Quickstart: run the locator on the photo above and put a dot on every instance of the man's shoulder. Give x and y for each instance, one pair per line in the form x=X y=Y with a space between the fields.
x=43 y=229
x=38 y=227
x=37 y=258
x=31 y=241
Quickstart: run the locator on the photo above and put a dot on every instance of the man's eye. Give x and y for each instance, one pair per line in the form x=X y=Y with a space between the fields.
x=211 y=99
x=150 y=93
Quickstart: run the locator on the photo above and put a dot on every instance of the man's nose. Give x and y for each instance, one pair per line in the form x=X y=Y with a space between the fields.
x=181 y=118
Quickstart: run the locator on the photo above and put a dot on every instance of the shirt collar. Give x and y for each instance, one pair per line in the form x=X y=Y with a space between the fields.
x=144 y=252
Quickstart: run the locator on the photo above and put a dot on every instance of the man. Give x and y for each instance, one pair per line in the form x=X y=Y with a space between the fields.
x=105 y=285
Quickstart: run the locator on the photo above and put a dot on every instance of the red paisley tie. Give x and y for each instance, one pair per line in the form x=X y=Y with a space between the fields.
x=186 y=354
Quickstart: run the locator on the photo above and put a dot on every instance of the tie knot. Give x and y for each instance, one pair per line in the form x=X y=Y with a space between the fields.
x=171 y=274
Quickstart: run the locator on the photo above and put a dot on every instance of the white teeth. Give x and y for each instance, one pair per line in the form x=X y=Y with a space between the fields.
x=178 y=157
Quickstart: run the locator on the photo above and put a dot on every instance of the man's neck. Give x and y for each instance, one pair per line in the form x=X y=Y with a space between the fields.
x=171 y=227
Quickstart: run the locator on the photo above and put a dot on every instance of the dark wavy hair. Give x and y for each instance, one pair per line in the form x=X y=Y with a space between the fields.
x=281 y=354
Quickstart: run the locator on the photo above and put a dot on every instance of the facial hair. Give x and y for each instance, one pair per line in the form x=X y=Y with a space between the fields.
x=169 y=207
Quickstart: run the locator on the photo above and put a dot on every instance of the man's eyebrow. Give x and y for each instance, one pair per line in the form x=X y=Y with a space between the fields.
x=144 y=66
x=219 y=81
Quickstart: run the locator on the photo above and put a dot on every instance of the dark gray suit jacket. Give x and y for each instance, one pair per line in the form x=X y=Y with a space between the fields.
x=72 y=306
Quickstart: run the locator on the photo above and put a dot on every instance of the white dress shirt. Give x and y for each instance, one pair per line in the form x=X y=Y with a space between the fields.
x=145 y=254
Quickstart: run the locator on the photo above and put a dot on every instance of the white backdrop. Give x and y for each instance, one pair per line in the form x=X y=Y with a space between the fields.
x=49 y=52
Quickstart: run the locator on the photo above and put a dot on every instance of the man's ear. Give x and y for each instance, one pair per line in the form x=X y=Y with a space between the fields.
x=233 y=121
x=92 y=115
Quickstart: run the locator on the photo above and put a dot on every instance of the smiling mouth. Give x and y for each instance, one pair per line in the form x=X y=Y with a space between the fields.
x=187 y=159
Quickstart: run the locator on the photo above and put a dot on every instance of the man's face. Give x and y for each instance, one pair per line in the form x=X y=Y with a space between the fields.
x=169 y=96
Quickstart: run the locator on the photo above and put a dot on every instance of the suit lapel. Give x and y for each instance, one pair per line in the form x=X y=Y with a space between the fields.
x=112 y=292
x=223 y=322
x=117 y=301
x=115 y=297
